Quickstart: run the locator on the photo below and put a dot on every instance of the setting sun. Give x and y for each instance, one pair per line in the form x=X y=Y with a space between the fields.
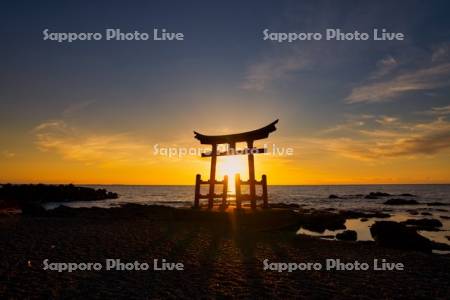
x=232 y=165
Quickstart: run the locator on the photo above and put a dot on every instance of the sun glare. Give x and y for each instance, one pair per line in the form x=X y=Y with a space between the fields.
x=231 y=165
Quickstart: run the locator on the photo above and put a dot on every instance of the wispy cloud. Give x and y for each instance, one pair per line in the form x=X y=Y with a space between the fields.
x=72 y=144
x=439 y=111
x=426 y=78
x=390 y=139
x=384 y=67
x=386 y=120
x=8 y=154
x=441 y=52
x=352 y=122
x=270 y=68
x=77 y=107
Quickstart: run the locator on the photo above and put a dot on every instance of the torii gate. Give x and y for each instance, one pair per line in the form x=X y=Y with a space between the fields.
x=231 y=139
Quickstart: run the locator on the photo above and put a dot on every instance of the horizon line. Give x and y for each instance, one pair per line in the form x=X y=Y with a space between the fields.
x=299 y=184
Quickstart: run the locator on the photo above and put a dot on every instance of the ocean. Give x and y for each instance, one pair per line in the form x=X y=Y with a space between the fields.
x=316 y=197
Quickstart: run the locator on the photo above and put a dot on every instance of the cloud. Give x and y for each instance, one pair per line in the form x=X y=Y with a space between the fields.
x=350 y=124
x=77 y=107
x=8 y=154
x=72 y=144
x=384 y=67
x=421 y=79
x=439 y=111
x=441 y=53
x=391 y=139
x=386 y=120
x=271 y=68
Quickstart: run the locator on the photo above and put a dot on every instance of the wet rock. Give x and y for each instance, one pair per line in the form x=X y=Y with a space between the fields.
x=425 y=213
x=441 y=210
x=376 y=195
x=319 y=221
x=407 y=195
x=423 y=224
x=399 y=201
x=332 y=196
x=284 y=205
x=32 y=209
x=395 y=235
x=440 y=246
x=364 y=219
x=436 y=204
x=413 y=212
x=347 y=235
x=445 y=217
x=448 y=237
x=350 y=214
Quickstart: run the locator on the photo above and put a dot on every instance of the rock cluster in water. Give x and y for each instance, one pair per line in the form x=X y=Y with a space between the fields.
x=371 y=195
x=29 y=197
x=398 y=235
x=399 y=201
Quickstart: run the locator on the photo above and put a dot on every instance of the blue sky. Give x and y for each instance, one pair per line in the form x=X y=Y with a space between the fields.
x=224 y=77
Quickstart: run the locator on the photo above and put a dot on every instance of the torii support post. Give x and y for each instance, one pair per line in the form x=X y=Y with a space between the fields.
x=224 y=191
x=238 y=191
x=251 y=175
x=265 y=197
x=212 y=177
x=197 y=191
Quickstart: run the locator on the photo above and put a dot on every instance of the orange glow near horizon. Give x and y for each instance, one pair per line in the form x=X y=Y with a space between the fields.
x=66 y=157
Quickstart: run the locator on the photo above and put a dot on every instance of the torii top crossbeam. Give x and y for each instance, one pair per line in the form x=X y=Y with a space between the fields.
x=253 y=135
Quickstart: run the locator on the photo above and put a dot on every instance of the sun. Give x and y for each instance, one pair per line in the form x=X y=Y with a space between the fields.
x=230 y=166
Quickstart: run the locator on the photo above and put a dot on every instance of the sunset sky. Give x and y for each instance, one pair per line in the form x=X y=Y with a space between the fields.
x=353 y=111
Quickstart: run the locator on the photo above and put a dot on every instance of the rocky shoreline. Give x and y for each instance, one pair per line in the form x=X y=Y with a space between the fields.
x=30 y=197
x=222 y=252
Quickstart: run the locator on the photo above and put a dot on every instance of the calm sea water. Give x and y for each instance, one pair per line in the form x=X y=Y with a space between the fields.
x=308 y=197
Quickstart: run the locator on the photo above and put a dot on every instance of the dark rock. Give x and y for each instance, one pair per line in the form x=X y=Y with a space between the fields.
x=399 y=201
x=448 y=237
x=395 y=235
x=334 y=197
x=284 y=205
x=376 y=195
x=347 y=235
x=425 y=213
x=423 y=224
x=319 y=221
x=413 y=212
x=445 y=217
x=32 y=209
x=407 y=195
x=436 y=204
x=23 y=195
x=440 y=246
x=350 y=214
x=64 y=211
x=354 y=196
x=364 y=219
x=441 y=209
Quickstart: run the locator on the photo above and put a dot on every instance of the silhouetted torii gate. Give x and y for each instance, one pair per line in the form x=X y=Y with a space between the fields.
x=231 y=139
